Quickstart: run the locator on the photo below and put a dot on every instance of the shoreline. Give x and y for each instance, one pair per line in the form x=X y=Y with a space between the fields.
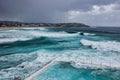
x=6 y=28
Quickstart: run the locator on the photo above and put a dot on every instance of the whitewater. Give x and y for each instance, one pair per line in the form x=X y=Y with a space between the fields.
x=23 y=51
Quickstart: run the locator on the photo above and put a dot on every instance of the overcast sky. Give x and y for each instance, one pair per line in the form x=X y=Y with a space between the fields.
x=91 y=12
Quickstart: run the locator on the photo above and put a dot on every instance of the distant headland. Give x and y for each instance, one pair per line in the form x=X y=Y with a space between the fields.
x=23 y=24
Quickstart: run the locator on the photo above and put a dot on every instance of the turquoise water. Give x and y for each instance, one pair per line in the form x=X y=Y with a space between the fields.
x=64 y=71
x=25 y=50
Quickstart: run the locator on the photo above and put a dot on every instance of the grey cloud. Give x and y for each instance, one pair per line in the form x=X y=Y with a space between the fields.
x=49 y=10
x=87 y=4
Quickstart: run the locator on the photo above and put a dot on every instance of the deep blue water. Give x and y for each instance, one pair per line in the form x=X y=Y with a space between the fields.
x=24 y=50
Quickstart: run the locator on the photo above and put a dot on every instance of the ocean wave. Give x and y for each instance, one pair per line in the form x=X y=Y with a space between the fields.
x=77 y=58
x=33 y=28
x=16 y=35
x=9 y=40
x=84 y=60
x=53 y=34
x=102 y=45
x=27 y=66
x=87 y=34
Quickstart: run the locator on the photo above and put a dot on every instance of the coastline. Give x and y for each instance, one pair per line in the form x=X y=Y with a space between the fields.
x=6 y=28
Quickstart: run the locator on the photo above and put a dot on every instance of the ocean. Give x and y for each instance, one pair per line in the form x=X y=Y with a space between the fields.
x=79 y=53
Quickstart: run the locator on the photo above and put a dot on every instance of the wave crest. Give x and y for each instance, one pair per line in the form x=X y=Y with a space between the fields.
x=77 y=58
x=25 y=34
x=87 y=34
x=102 y=45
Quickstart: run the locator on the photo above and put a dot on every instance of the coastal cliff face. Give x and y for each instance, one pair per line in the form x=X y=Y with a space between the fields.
x=20 y=24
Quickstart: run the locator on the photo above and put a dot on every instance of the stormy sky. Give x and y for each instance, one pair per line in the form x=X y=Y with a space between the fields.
x=91 y=12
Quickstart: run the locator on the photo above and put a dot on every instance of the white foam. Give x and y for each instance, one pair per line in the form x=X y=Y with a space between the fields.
x=13 y=36
x=34 y=28
x=94 y=61
x=102 y=45
x=8 y=40
x=53 y=34
x=17 y=57
x=77 y=58
x=88 y=34
x=27 y=67
x=21 y=35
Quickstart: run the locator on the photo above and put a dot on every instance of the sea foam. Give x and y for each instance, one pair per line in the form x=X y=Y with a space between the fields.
x=77 y=58
x=53 y=34
x=102 y=45
x=8 y=40
x=27 y=67
x=8 y=36
x=87 y=34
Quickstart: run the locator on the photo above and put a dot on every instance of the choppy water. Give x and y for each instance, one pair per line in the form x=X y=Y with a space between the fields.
x=24 y=50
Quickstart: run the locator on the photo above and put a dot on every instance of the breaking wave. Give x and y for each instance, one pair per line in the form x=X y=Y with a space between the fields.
x=39 y=58
x=102 y=45
x=53 y=34
x=82 y=59
x=87 y=34
x=34 y=28
x=21 y=35
x=23 y=64
x=8 y=40
x=28 y=65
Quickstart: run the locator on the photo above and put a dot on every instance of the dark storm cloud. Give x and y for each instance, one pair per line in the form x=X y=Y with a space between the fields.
x=47 y=10
x=11 y=9
x=11 y=6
